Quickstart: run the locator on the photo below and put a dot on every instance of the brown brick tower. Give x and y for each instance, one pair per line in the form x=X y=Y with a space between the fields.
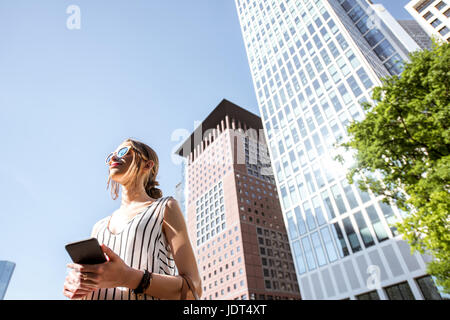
x=233 y=212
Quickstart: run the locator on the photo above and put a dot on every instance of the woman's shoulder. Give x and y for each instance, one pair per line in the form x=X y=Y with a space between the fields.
x=168 y=200
x=99 y=224
x=101 y=221
x=172 y=208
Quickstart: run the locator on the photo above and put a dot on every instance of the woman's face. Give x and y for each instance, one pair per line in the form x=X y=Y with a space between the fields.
x=118 y=167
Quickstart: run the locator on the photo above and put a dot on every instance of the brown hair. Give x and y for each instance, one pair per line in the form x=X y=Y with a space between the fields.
x=142 y=153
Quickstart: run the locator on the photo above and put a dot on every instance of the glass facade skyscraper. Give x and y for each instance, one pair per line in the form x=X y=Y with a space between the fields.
x=6 y=271
x=313 y=62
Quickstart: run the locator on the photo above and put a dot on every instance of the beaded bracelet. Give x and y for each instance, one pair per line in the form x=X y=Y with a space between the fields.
x=144 y=284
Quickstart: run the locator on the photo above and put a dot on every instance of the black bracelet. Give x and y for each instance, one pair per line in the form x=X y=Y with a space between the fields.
x=144 y=284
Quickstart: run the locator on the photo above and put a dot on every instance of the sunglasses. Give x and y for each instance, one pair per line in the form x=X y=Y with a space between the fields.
x=122 y=152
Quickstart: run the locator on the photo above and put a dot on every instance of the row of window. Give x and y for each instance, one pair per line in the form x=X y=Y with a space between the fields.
x=216 y=241
x=254 y=296
x=270 y=233
x=374 y=37
x=219 y=260
x=402 y=291
x=279 y=285
x=222 y=292
x=210 y=214
x=227 y=277
x=279 y=274
x=345 y=202
x=270 y=252
x=225 y=257
x=360 y=230
x=426 y=4
x=259 y=169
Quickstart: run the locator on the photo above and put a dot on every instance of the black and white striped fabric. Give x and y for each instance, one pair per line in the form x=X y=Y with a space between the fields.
x=141 y=244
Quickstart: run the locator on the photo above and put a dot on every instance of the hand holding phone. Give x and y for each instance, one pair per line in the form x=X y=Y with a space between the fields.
x=90 y=268
x=86 y=252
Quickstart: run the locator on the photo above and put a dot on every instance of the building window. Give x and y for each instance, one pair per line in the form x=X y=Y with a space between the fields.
x=364 y=230
x=340 y=241
x=351 y=235
x=400 y=291
x=390 y=217
x=309 y=253
x=384 y=50
x=428 y=288
x=354 y=86
x=440 y=5
x=320 y=254
x=328 y=242
x=373 y=37
x=423 y=6
x=372 y=295
x=338 y=199
x=444 y=31
x=427 y=15
x=436 y=23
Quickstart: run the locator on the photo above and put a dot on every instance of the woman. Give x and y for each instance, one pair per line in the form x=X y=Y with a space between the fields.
x=144 y=239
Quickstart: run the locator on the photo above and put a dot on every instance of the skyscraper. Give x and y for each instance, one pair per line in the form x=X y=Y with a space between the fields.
x=234 y=216
x=433 y=17
x=6 y=271
x=416 y=32
x=313 y=62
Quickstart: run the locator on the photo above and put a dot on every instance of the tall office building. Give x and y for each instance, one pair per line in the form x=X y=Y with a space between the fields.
x=433 y=17
x=416 y=32
x=6 y=271
x=234 y=216
x=313 y=62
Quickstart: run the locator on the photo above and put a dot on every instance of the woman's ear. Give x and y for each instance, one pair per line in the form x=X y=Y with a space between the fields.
x=149 y=164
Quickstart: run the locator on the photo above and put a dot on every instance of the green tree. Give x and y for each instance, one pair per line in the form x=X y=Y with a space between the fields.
x=402 y=152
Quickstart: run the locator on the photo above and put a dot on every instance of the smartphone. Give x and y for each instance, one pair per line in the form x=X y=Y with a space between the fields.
x=86 y=251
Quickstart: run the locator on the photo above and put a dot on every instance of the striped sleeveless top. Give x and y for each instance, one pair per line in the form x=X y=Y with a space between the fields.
x=141 y=245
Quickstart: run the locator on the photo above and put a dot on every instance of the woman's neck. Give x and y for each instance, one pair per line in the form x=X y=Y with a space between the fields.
x=133 y=196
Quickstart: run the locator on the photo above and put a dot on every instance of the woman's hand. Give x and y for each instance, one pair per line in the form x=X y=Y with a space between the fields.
x=85 y=278
x=74 y=288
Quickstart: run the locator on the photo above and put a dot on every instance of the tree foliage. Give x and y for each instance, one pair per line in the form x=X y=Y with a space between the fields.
x=402 y=152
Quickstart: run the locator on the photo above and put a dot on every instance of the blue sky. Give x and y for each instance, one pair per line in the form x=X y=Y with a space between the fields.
x=140 y=69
